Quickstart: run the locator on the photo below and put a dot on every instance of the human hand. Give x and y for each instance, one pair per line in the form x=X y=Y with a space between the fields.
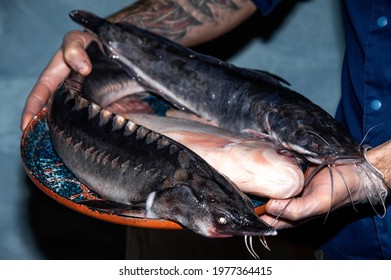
x=71 y=55
x=318 y=198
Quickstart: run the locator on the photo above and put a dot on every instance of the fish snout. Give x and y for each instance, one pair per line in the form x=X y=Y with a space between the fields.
x=244 y=223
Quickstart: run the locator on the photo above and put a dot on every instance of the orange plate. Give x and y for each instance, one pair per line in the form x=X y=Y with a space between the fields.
x=47 y=171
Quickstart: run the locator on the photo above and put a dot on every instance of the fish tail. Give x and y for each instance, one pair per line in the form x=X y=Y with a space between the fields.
x=113 y=207
x=87 y=19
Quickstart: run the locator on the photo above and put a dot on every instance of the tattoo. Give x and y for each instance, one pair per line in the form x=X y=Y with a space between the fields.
x=162 y=17
x=203 y=6
x=170 y=18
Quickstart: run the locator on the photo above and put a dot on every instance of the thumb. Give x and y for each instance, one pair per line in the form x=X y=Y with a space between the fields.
x=74 y=45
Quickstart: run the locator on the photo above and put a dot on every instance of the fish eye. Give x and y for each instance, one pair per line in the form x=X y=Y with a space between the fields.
x=222 y=220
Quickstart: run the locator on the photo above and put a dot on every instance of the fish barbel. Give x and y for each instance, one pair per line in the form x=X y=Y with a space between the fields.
x=237 y=99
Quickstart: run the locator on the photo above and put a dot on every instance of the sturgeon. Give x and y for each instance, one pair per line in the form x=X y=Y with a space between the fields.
x=136 y=167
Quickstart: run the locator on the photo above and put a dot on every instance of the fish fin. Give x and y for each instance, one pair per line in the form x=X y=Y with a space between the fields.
x=255 y=134
x=112 y=207
x=271 y=75
x=148 y=205
x=200 y=139
x=259 y=74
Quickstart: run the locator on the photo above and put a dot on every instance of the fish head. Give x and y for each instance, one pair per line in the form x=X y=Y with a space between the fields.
x=226 y=219
x=324 y=148
x=217 y=216
x=301 y=126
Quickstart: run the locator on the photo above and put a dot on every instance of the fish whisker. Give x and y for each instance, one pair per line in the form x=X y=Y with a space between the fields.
x=332 y=191
x=367 y=133
x=262 y=238
x=313 y=173
x=347 y=188
x=248 y=240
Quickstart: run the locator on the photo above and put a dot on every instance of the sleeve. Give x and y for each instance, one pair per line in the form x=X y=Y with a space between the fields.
x=266 y=6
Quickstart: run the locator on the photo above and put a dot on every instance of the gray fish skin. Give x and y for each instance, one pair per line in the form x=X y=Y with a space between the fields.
x=130 y=164
x=235 y=98
x=115 y=85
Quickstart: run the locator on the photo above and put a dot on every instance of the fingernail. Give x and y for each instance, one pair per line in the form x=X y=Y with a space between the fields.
x=275 y=206
x=83 y=68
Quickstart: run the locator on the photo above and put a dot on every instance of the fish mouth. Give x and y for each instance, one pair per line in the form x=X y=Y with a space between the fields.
x=214 y=233
x=253 y=229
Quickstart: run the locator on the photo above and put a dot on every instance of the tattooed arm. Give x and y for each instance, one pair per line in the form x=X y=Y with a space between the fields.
x=188 y=22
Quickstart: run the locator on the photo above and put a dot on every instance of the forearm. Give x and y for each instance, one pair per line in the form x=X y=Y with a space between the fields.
x=380 y=157
x=187 y=22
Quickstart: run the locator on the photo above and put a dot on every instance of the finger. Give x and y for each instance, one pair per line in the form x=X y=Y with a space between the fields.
x=74 y=45
x=277 y=222
x=300 y=208
x=71 y=55
x=322 y=195
x=50 y=78
x=286 y=214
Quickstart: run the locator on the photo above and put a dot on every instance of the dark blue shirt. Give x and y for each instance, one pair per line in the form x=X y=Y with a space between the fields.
x=364 y=110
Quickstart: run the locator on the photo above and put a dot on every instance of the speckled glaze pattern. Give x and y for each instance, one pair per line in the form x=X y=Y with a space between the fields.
x=44 y=164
